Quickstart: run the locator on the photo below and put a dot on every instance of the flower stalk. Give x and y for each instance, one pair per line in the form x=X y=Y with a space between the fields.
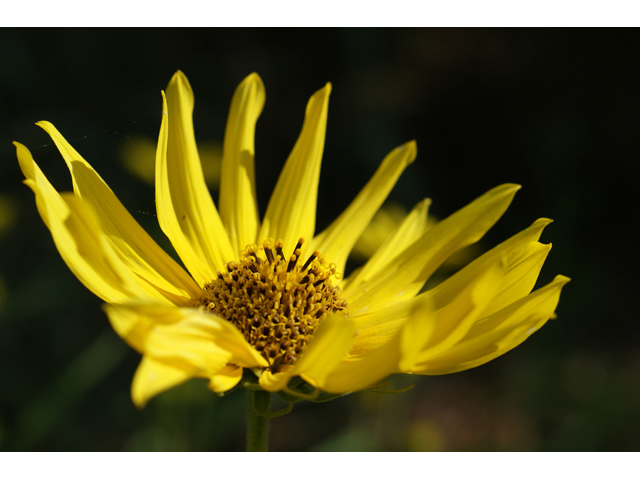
x=257 y=424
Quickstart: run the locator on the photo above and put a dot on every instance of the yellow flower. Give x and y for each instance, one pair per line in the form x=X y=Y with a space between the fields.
x=268 y=296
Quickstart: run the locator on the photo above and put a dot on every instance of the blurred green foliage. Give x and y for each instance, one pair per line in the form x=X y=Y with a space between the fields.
x=556 y=111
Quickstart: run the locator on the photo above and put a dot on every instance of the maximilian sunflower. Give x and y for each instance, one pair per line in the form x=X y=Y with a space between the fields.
x=267 y=298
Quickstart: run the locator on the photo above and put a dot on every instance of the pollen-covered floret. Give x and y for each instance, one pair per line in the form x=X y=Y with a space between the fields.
x=276 y=303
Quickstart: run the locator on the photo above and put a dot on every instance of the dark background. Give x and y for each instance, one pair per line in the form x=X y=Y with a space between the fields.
x=554 y=110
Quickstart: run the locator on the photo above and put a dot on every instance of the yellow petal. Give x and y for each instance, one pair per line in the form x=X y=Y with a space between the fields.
x=406 y=274
x=47 y=197
x=273 y=382
x=413 y=226
x=135 y=248
x=188 y=344
x=512 y=251
x=291 y=213
x=134 y=322
x=85 y=249
x=227 y=378
x=376 y=328
x=453 y=321
x=186 y=211
x=184 y=337
x=238 y=205
x=520 y=278
x=324 y=351
x=153 y=377
x=450 y=322
x=79 y=239
x=496 y=334
x=416 y=333
x=541 y=300
x=339 y=238
x=358 y=372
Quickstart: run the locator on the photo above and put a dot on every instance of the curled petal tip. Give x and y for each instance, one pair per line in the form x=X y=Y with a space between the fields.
x=180 y=79
x=412 y=146
x=44 y=124
x=254 y=77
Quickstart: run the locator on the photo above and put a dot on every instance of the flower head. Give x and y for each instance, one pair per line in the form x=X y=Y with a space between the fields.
x=268 y=298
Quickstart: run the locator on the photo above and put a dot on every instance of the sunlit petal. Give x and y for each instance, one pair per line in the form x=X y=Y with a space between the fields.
x=185 y=209
x=238 y=204
x=291 y=213
x=511 y=250
x=358 y=372
x=406 y=275
x=227 y=378
x=79 y=239
x=153 y=377
x=412 y=228
x=323 y=353
x=185 y=336
x=339 y=238
x=496 y=334
x=135 y=248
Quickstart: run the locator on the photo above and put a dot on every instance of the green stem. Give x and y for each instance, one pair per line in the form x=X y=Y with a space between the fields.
x=257 y=425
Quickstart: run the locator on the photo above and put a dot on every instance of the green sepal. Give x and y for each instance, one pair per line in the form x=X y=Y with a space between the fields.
x=295 y=382
x=288 y=397
x=329 y=397
x=298 y=390
x=297 y=395
x=261 y=402
x=277 y=413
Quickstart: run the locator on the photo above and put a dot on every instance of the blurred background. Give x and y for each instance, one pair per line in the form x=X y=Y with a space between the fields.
x=556 y=111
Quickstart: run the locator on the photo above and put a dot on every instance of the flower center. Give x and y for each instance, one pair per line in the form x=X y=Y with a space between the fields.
x=275 y=303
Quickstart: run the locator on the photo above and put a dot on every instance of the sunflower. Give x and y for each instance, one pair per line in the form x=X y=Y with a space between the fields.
x=266 y=300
